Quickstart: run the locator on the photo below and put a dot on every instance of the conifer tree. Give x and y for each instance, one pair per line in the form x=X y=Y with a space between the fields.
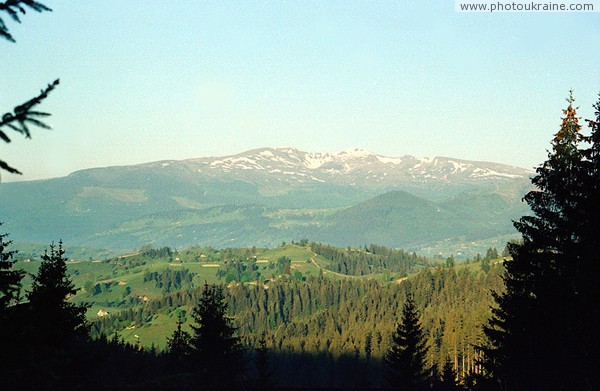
x=405 y=360
x=178 y=345
x=55 y=330
x=532 y=335
x=588 y=305
x=216 y=348
x=10 y=284
x=10 y=280
x=56 y=318
x=448 y=378
x=265 y=373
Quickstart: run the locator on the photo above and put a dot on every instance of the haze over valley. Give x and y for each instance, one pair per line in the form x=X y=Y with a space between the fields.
x=265 y=196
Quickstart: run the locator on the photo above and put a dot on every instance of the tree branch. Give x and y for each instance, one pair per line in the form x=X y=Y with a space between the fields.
x=23 y=114
x=13 y=8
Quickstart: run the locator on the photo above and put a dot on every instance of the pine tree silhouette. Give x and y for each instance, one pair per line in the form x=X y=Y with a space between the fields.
x=405 y=361
x=588 y=305
x=51 y=287
x=536 y=331
x=178 y=347
x=448 y=378
x=10 y=325
x=265 y=373
x=216 y=348
x=10 y=280
x=56 y=330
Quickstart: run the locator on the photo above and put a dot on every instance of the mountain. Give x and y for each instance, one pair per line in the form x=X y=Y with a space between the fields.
x=393 y=217
x=270 y=167
x=265 y=196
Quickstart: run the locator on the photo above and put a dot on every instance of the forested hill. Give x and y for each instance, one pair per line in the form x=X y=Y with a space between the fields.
x=326 y=313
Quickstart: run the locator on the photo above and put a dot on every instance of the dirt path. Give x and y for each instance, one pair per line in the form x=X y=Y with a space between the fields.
x=129 y=255
x=312 y=259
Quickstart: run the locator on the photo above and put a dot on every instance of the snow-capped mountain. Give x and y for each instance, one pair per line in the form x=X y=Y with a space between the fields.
x=264 y=196
x=356 y=166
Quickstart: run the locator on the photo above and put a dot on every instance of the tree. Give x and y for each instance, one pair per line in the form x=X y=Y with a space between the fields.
x=264 y=380
x=10 y=285
x=178 y=345
x=10 y=280
x=216 y=349
x=58 y=319
x=54 y=331
x=535 y=329
x=405 y=360
x=448 y=378
x=588 y=305
x=22 y=115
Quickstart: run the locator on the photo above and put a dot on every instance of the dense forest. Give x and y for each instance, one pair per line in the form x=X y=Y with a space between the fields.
x=337 y=317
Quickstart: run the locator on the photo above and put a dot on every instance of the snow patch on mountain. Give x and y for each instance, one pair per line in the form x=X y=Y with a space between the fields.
x=389 y=160
x=358 y=166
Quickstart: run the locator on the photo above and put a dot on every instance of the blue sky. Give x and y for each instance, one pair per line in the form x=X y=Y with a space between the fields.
x=152 y=80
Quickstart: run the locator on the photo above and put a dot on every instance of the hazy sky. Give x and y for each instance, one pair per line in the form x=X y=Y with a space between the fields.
x=152 y=80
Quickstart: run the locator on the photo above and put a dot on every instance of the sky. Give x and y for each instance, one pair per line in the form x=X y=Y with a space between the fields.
x=146 y=80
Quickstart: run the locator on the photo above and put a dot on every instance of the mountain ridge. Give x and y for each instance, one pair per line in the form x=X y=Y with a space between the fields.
x=268 y=195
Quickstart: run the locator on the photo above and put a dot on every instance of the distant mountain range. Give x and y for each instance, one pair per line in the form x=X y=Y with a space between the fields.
x=265 y=196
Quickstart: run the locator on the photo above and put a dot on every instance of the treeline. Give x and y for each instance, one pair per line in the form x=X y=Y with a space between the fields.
x=334 y=318
x=150 y=252
x=367 y=260
x=169 y=280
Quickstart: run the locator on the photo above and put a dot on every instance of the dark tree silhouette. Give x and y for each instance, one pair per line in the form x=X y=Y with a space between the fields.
x=58 y=319
x=178 y=346
x=588 y=305
x=10 y=285
x=264 y=380
x=216 y=349
x=448 y=378
x=22 y=115
x=10 y=280
x=53 y=332
x=405 y=361
x=537 y=329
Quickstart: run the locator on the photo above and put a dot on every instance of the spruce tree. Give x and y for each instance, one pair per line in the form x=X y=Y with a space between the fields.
x=10 y=280
x=588 y=305
x=532 y=335
x=405 y=367
x=264 y=380
x=216 y=349
x=10 y=325
x=57 y=318
x=448 y=378
x=55 y=332
x=178 y=346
